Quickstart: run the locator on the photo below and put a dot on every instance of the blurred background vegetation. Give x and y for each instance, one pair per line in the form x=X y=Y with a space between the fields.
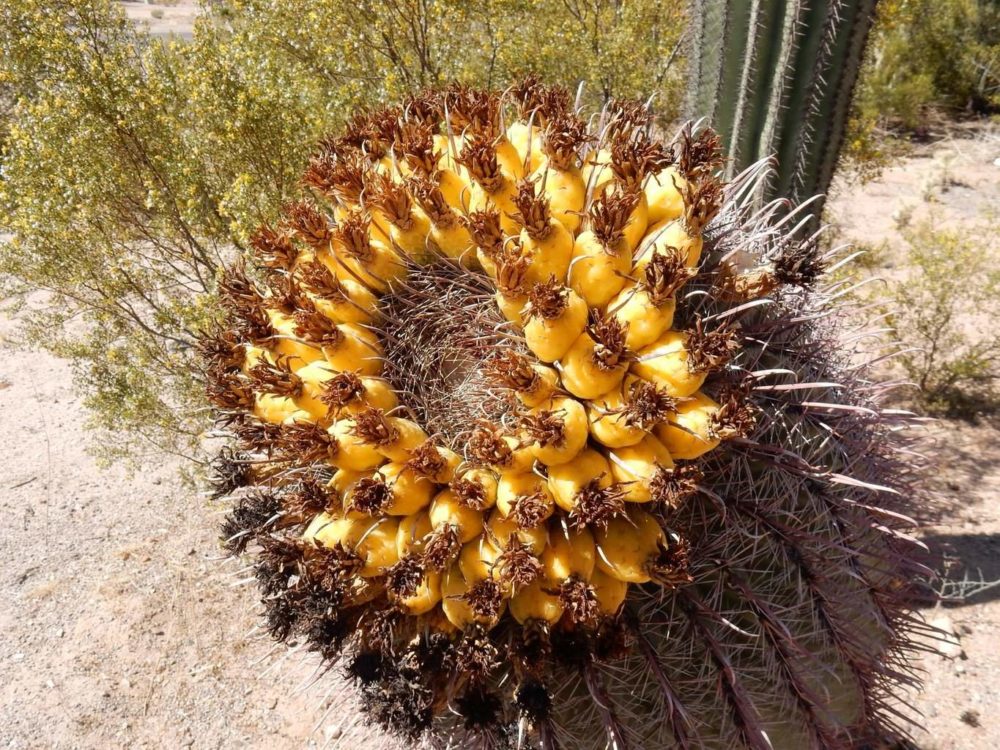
x=133 y=166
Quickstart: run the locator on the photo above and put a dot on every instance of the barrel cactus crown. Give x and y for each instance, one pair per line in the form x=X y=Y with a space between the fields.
x=546 y=436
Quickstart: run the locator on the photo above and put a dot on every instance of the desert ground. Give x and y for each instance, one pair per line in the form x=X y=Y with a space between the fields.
x=124 y=627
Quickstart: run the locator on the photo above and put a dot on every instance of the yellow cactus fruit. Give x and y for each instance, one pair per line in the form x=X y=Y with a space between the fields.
x=629 y=547
x=665 y=195
x=448 y=511
x=352 y=348
x=556 y=430
x=524 y=498
x=453 y=592
x=597 y=174
x=602 y=259
x=624 y=415
x=534 y=603
x=560 y=178
x=635 y=467
x=511 y=276
x=433 y=160
x=342 y=300
x=409 y=226
x=567 y=480
x=342 y=481
x=409 y=490
x=448 y=233
x=434 y=462
x=273 y=408
x=570 y=552
x=502 y=530
x=376 y=546
x=288 y=342
x=526 y=138
x=493 y=184
x=371 y=539
x=665 y=362
x=546 y=243
x=253 y=356
x=320 y=522
x=478 y=559
x=554 y=318
x=394 y=437
x=412 y=534
x=476 y=489
x=369 y=261
x=609 y=592
x=646 y=308
x=353 y=453
x=349 y=393
x=532 y=383
x=691 y=432
x=486 y=230
x=597 y=361
x=491 y=446
x=426 y=596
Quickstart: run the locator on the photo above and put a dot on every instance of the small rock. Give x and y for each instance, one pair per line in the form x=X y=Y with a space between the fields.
x=333 y=733
x=274 y=703
x=49 y=684
x=959 y=669
x=971 y=718
x=17 y=657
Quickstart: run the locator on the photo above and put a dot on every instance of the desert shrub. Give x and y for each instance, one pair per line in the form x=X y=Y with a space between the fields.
x=944 y=314
x=131 y=166
x=923 y=56
x=932 y=53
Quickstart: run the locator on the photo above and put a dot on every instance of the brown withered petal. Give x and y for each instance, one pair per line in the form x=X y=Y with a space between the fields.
x=277 y=379
x=609 y=335
x=670 y=487
x=426 y=460
x=609 y=214
x=533 y=212
x=594 y=505
x=404 y=578
x=308 y=223
x=370 y=495
x=670 y=567
x=665 y=273
x=711 y=350
x=343 y=389
x=527 y=511
x=517 y=564
x=579 y=600
x=548 y=300
x=470 y=493
x=442 y=548
x=562 y=139
x=545 y=428
x=274 y=249
x=487 y=446
x=485 y=598
x=511 y=370
x=371 y=426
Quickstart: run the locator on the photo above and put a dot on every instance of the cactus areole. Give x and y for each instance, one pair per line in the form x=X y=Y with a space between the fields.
x=543 y=434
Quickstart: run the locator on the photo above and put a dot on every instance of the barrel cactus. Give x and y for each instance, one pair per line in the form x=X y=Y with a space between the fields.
x=550 y=439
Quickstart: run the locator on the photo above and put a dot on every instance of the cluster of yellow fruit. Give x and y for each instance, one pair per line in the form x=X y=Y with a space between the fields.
x=587 y=240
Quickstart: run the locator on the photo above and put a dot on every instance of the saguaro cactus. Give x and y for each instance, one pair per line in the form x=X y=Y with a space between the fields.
x=776 y=77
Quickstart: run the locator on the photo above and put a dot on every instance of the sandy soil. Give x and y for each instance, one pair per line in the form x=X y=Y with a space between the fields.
x=954 y=183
